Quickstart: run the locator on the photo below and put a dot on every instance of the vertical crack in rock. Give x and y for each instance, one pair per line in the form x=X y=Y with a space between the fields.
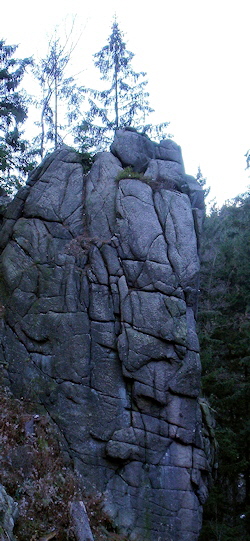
x=100 y=283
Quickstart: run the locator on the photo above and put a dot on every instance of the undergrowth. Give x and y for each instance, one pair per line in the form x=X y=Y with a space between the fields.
x=129 y=173
x=34 y=473
x=155 y=184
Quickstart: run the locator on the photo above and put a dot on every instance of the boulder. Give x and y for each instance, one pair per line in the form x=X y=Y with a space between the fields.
x=167 y=173
x=80 y=521
x=100 y=284
x=170 y=151
x=133 y=149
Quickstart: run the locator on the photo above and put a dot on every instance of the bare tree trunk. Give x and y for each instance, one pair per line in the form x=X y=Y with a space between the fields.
x=42 y=133
x=56 y=104
x=46 y=101
x=116 y=101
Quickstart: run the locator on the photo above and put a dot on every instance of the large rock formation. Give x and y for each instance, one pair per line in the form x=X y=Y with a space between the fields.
x=100 y=284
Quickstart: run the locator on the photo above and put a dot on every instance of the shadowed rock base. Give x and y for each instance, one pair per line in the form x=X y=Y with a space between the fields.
x=100 y=292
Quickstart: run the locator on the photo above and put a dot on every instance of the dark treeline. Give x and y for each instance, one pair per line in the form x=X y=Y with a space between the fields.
x=224 y=329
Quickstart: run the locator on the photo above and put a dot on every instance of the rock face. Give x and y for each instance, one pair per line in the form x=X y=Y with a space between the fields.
x=8 y=515
x=100 y=292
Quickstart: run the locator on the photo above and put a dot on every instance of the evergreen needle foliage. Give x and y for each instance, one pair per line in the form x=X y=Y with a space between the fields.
x=15 y=156
x=124 y=103
x=224 y=326
x=126 y=96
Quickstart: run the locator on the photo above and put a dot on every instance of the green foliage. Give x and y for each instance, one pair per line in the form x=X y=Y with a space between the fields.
x=87 y=161
x=224 y=327
x=156 y=185
x=16 y=157
x=126 y=96
x=129 y=173
x=56 y=89
x=203 y=182
x=123 y=103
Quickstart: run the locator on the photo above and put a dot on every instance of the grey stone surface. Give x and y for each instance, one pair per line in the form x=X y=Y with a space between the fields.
x=169 y=150
x=5 y=200
x=8 y=515
x=168 y=173
x=80 y=522
x=133 y=149
x=136 y=150
x=99 y=287
x=100 y=192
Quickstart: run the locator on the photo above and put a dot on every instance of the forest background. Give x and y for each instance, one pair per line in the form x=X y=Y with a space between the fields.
x=224 y=315
x=196 y=55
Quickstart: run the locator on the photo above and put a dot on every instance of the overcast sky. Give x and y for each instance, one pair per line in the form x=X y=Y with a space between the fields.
x=195 y=53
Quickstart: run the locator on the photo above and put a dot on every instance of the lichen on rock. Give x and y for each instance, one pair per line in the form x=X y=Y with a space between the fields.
x=100 y=291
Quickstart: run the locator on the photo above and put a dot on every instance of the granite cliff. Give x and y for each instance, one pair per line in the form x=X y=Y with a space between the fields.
x=99 y=285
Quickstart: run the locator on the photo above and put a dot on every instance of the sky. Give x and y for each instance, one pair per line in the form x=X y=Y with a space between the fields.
x=195 y=53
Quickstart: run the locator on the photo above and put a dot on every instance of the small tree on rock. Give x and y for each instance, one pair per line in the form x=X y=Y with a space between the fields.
x=125 y=102
x=203 y=182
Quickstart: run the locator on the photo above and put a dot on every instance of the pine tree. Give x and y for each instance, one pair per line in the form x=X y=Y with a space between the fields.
x=14 y=155
x=126 y=95
x=124 y=102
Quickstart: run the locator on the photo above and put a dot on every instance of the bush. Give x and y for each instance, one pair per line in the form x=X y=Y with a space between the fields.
x=129 y=173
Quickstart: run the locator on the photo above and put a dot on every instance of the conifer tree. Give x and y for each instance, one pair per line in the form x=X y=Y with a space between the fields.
x=224 y=324
x=125 y=101
x=126 y=96
x=14 y=155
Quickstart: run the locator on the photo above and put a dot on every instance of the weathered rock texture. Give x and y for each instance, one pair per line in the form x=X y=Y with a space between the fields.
x=101 y=283
x=8 y=515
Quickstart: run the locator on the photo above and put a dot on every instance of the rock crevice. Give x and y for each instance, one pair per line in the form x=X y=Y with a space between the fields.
x=100 y=284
